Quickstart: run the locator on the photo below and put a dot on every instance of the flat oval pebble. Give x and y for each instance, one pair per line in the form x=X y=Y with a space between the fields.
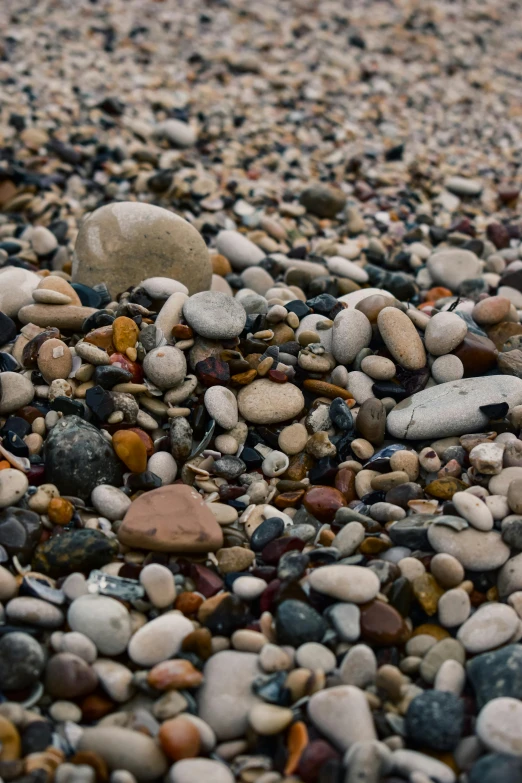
x=214 y=315
x=352 y=332
x=13 y=486
x=450 y=267
x=239 y=250
x=475 y=549
x=165 y=367
x=473 y=510
x=15 y=391
x=221 y=405
x=342 y=714
x=196 y=770
x=346 y=583
x=491 y=626
x=159 y=639
x=264 y=402
x=124 y=749
x=443 y=333
x=498 y=726
x=103 y=620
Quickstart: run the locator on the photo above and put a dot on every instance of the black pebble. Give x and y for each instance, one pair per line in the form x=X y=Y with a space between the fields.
x=7 y=329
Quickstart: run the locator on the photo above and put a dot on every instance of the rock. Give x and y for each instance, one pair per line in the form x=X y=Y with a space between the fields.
x=401 y=338
x=68 y=676
x=221 y=405
x=499 y=726
x=354 y=584
x=352 y=332
x=15 y=391
x=408 y=762
x=19 y=531
x=162 y=287
x=443 y=333
x=22 y=660
x=315 y=656
x=447 y=368
x=34 y=611
x=74 y=550
x=110 y=502
x=159 y=585
x=115 y=679
x=197 y=770
x=103 y=620
x=68 y=317
x=226 y=696
x=452 y=408
x=239 y=250
x=495 y=767
x=163 y=465
x=444 y=650
x=435 y=720
x=475 y=549
x=450 y=267
x=8 y=330
x=492 y=625
x=169 y=316
x=463 y=186
x=78 y=458
x=114 y=239
x=13 y=486
x=16 y=289
x=323 y=502
x=346 y=621
x=510 y=577
x=382 y=624
x=338 y=265
x=54 y=360
x=359 y=666
x=322 y=200
x=182 y=522
x=297 y=623
x=165 y=367
x=453 y=608
x=473 y=509
x=496 y=674
x=124 y=749
x=214 y=315
x=342 y=715
x=159 y=639
x=43 y=241
x=176 y=132
x=265 y=402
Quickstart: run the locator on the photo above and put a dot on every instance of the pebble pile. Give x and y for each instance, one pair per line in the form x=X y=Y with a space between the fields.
x=260 y=393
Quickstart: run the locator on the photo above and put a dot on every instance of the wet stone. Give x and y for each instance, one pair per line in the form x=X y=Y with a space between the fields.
x=435 y=719
x=298 y=623
x=75 y=550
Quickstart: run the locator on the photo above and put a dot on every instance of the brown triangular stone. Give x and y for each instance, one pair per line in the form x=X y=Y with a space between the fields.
x=171 y=519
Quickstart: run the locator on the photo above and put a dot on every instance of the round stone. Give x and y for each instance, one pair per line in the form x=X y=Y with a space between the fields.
x=159 y=585
x=67 y=676
x=265 y=402
x=176 y=132
x=491 y=311
x=378 y=367
x=103 y=620
x=114 y=240
x=451 y=266
x=292 y=439
x=474 y=549
x=163 y=465
x=473 y=509
x=110 y=502
x=165 y=367
x=15 y=390
x=43 y=241
x=13 y=486
x=491 y=626
x=54 y=360
x=159 y=639
x=214 y=315
x=197 y=770
x=444 y=332
x=352 y=332
x=22 y=661
x=447 y=368
x=499 y=726
x=221 y=405
x=238 y=249
x=342 y=714
x=16 y=291
x=435 y=720
x=315 y=656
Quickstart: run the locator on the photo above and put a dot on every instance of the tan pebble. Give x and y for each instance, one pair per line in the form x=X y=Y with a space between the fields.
x=175 y=413
x=225 y=514
x=81 y=390
x=268 y=719
x=234 y=558
x=401 y=338
x=226 y=444
x=292 y=320
x=248 y=641
x=378 y=367
x=308 y=337
x=447 y=570
x=407 y=461
x=50 y=297
x=264 y=366
x=84 y=373
x=62 y=316
x=293 y=439
x=362 y=448
x=54 y=360
x=386 y=481
x=34 y=442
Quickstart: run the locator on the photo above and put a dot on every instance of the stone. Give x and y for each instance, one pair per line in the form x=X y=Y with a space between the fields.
x=226 y=696
x=476 y=550
x=323 y=200
x=182 y=522
x=443 y=333
x=499 y=726
x=110 y=502
x=451 y=408
x=214 y=315
x=54 y=360
x=342 y=714
x=15 y=391
x=163 y=465
x=264 y=402
x=323 y=502
x=124 y=749
x=221 y=405
x=435 y=720
x=473 y=509
x=13 y=486
x=447 y=368
x=450 y=267
x=196 y=770
x=158 y=582
x=22 y=660
x=240 y=251
x=343 y=267
x=297 y=623
x=408 y=762
x=491 y=626
x=74 y=550
x=16 y=289
x=353 y=584
x=56 y=285
x=382 y=624
x=496 y=674
x=103 y=620
x=494 y=767
x=443 y=650
x=315 y=656
x=174 y=674
x=453 y=608
x=352 y=332
x=159 y=639
x=401 y=338
x=166 y=367
x=178 y=133
x=371 y=421
x=114 y=240
x=78 y=458
x=63 y=317
x=491 y=311
x=68 y=676
x=292 y=439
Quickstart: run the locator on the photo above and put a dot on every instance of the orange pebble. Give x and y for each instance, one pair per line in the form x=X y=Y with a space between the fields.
x=438 y=292
x=297 y=741
x=125 y=333
x=179 y=738
x=173 y=674
x=60 y=511
x=131 y=450
x=4 y=464
x=198 y=642
x=188 y=603
x=220 y=265
x=101 y=338
x=145 y=438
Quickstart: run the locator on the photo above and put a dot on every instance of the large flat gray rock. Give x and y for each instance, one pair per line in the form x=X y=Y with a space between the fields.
x=452 y=408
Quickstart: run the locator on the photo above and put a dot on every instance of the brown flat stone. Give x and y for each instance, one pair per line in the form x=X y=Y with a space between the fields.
x=173 y=518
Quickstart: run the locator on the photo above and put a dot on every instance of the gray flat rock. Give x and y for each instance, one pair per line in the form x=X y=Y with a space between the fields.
x=452 y=408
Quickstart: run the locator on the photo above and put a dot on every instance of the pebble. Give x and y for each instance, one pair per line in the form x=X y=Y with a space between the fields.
x=163 y=464
x=342 y=714
x=159 y=585
x=13 y=486
x=447 y=368
x=122 y=748
x=443 y=333
x=474 y=549
x=17 y=286
x=159 y=639
x=491 y=626
x=346 y=583
x=401 y=338
x=453 y=608
x=264 y=402
x=15 y=391
x=165 y=367
x=221 y=405
x=239 y=250
x=194 y=770
x=435 y=720
x=214 y=315
x=450 y=267
x=103 y=620
x=110 y=502
x=474 y=510
x=498 y=726
x=315 y=656
x=22 y=661
x=352 y=332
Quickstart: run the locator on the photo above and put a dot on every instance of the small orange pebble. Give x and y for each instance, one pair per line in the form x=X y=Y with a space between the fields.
x=94 y=760
x=188 y=603
x=145 y=438
x=329 y=390
x=326 y=537
x=11 y=744
x=289 y=499
x=67 y=267
x=437 y=631
x=296 y=741
x=198 y=642
x=125 y=333
x=182 y=332
x=220 y=265
x=373 y=545
x=244 y=378
x=96 y=706
x=179 y=738
x=438 y=292
x=174 y=674
x=131 y=450
x=60 y=511
x=101 y=338
x=209 y=606
x=4 y=464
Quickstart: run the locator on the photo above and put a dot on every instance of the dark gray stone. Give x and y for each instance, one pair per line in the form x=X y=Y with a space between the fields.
x=298 y=623
x=435 y=719
x=495 y=674
x=496 y=768
x=22 y=660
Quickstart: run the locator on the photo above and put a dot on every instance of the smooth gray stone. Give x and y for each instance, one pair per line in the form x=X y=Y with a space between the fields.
x=452 y=408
